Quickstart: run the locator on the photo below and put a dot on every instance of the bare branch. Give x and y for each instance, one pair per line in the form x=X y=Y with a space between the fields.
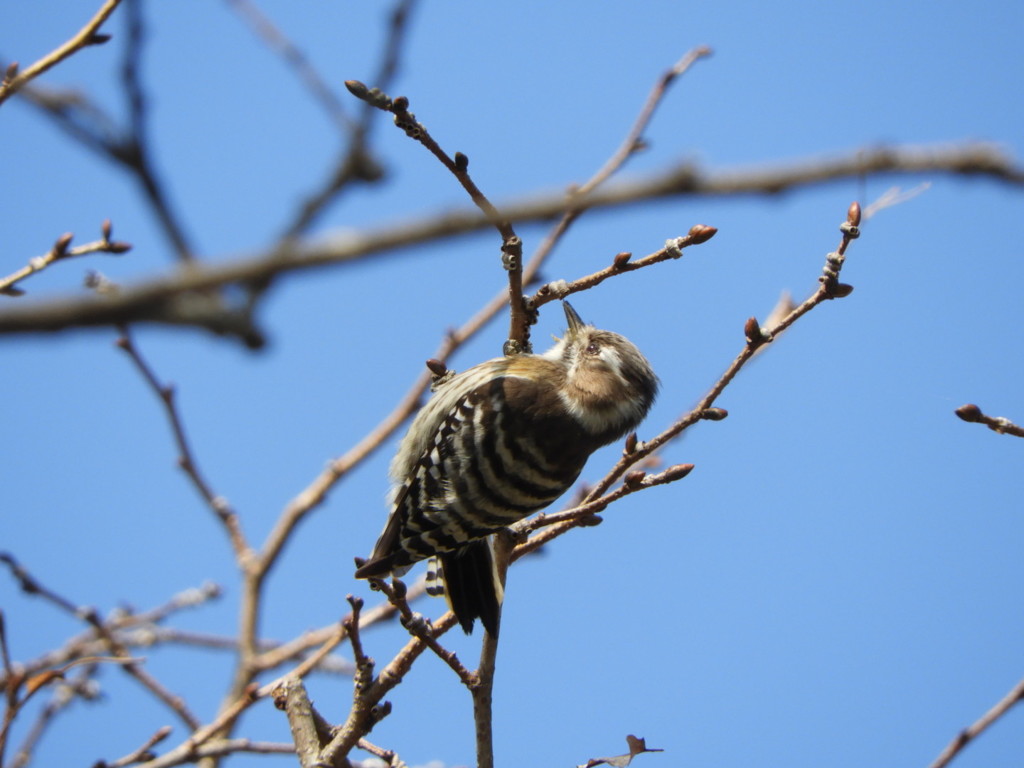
x=131 y=666
x=315 y=494
x=276 y=40
x=634 y=139
x=122 y=623
x=963 y=738
x=458 y=166
x=186 y=459
x=80 y=686
x=206 y=736
x=598 y=498
x=291 y=697
x=367 y=709
x=673 y=249
x=387 y=755
x=86 y=36
x=585 y=514
x=327 y=639
x=1000 y=424
x=134 y=150
x=60 y=251
x=144 y=752
x=163 y=299
x=356 y=163
x=420 y=627
x=829 y=288
x=483 y=689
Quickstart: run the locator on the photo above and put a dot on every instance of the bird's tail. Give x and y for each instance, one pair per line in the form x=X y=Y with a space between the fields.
x=469 y=579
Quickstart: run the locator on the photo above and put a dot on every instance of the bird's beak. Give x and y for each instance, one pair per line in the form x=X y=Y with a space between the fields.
x=575 y=323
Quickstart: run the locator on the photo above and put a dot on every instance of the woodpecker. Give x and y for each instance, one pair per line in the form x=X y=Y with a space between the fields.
x=497 y=443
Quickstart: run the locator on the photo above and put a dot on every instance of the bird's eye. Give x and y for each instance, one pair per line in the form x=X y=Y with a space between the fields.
x=592 y=348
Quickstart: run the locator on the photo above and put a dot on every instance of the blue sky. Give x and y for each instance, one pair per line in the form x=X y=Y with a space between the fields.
x=837 y=582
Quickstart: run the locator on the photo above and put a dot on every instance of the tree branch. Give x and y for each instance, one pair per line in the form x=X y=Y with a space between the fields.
x=172 y=299
x=60 y=251
x=1002 y=425
x=87 y=35
x=355 y=162
x=963 y=738
x=186 y=459
x=596 y=499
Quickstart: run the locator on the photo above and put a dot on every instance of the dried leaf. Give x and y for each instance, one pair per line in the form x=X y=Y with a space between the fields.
x=637 y=746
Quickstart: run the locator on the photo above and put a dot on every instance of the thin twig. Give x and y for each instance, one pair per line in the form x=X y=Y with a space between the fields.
x=220 y=506
x=829 y=288
x=327 y=638
x=579 y=514
x=892 y=197
x=88 y=644
x=134 y=150
x=193 y=747
x=316 y=493
x=419 y=627
x=145 y=751
x=367 y=709
x=276 y=40
x=129 y=147
x=634 y=139
x=963 y=738
x=131 y=666
x=597 y=498
x=10 y=689
x=630 y=145
x=80 y=686
x=87 y=35
x=225 y=747
x=458 y=166
x=387 y=755
x=973 y=414
x=61 y=251
x=356 y=162
x=622 y=263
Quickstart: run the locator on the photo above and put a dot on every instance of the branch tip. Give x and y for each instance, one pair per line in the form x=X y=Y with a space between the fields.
x=970 y=413
x=61 y=246
x=756 y=335
x=714 y=414
x=853 y=214
x=355 y=602
x=357 y=89
x=399 y=589
x=634 y=479
x=630 y=445
x=678 y=472
x=372 y=96
x=701 y=233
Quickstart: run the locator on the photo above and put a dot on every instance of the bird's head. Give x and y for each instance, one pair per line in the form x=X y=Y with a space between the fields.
x=609 y=384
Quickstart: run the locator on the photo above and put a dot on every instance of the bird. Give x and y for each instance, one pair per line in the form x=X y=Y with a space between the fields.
x=496 y=443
